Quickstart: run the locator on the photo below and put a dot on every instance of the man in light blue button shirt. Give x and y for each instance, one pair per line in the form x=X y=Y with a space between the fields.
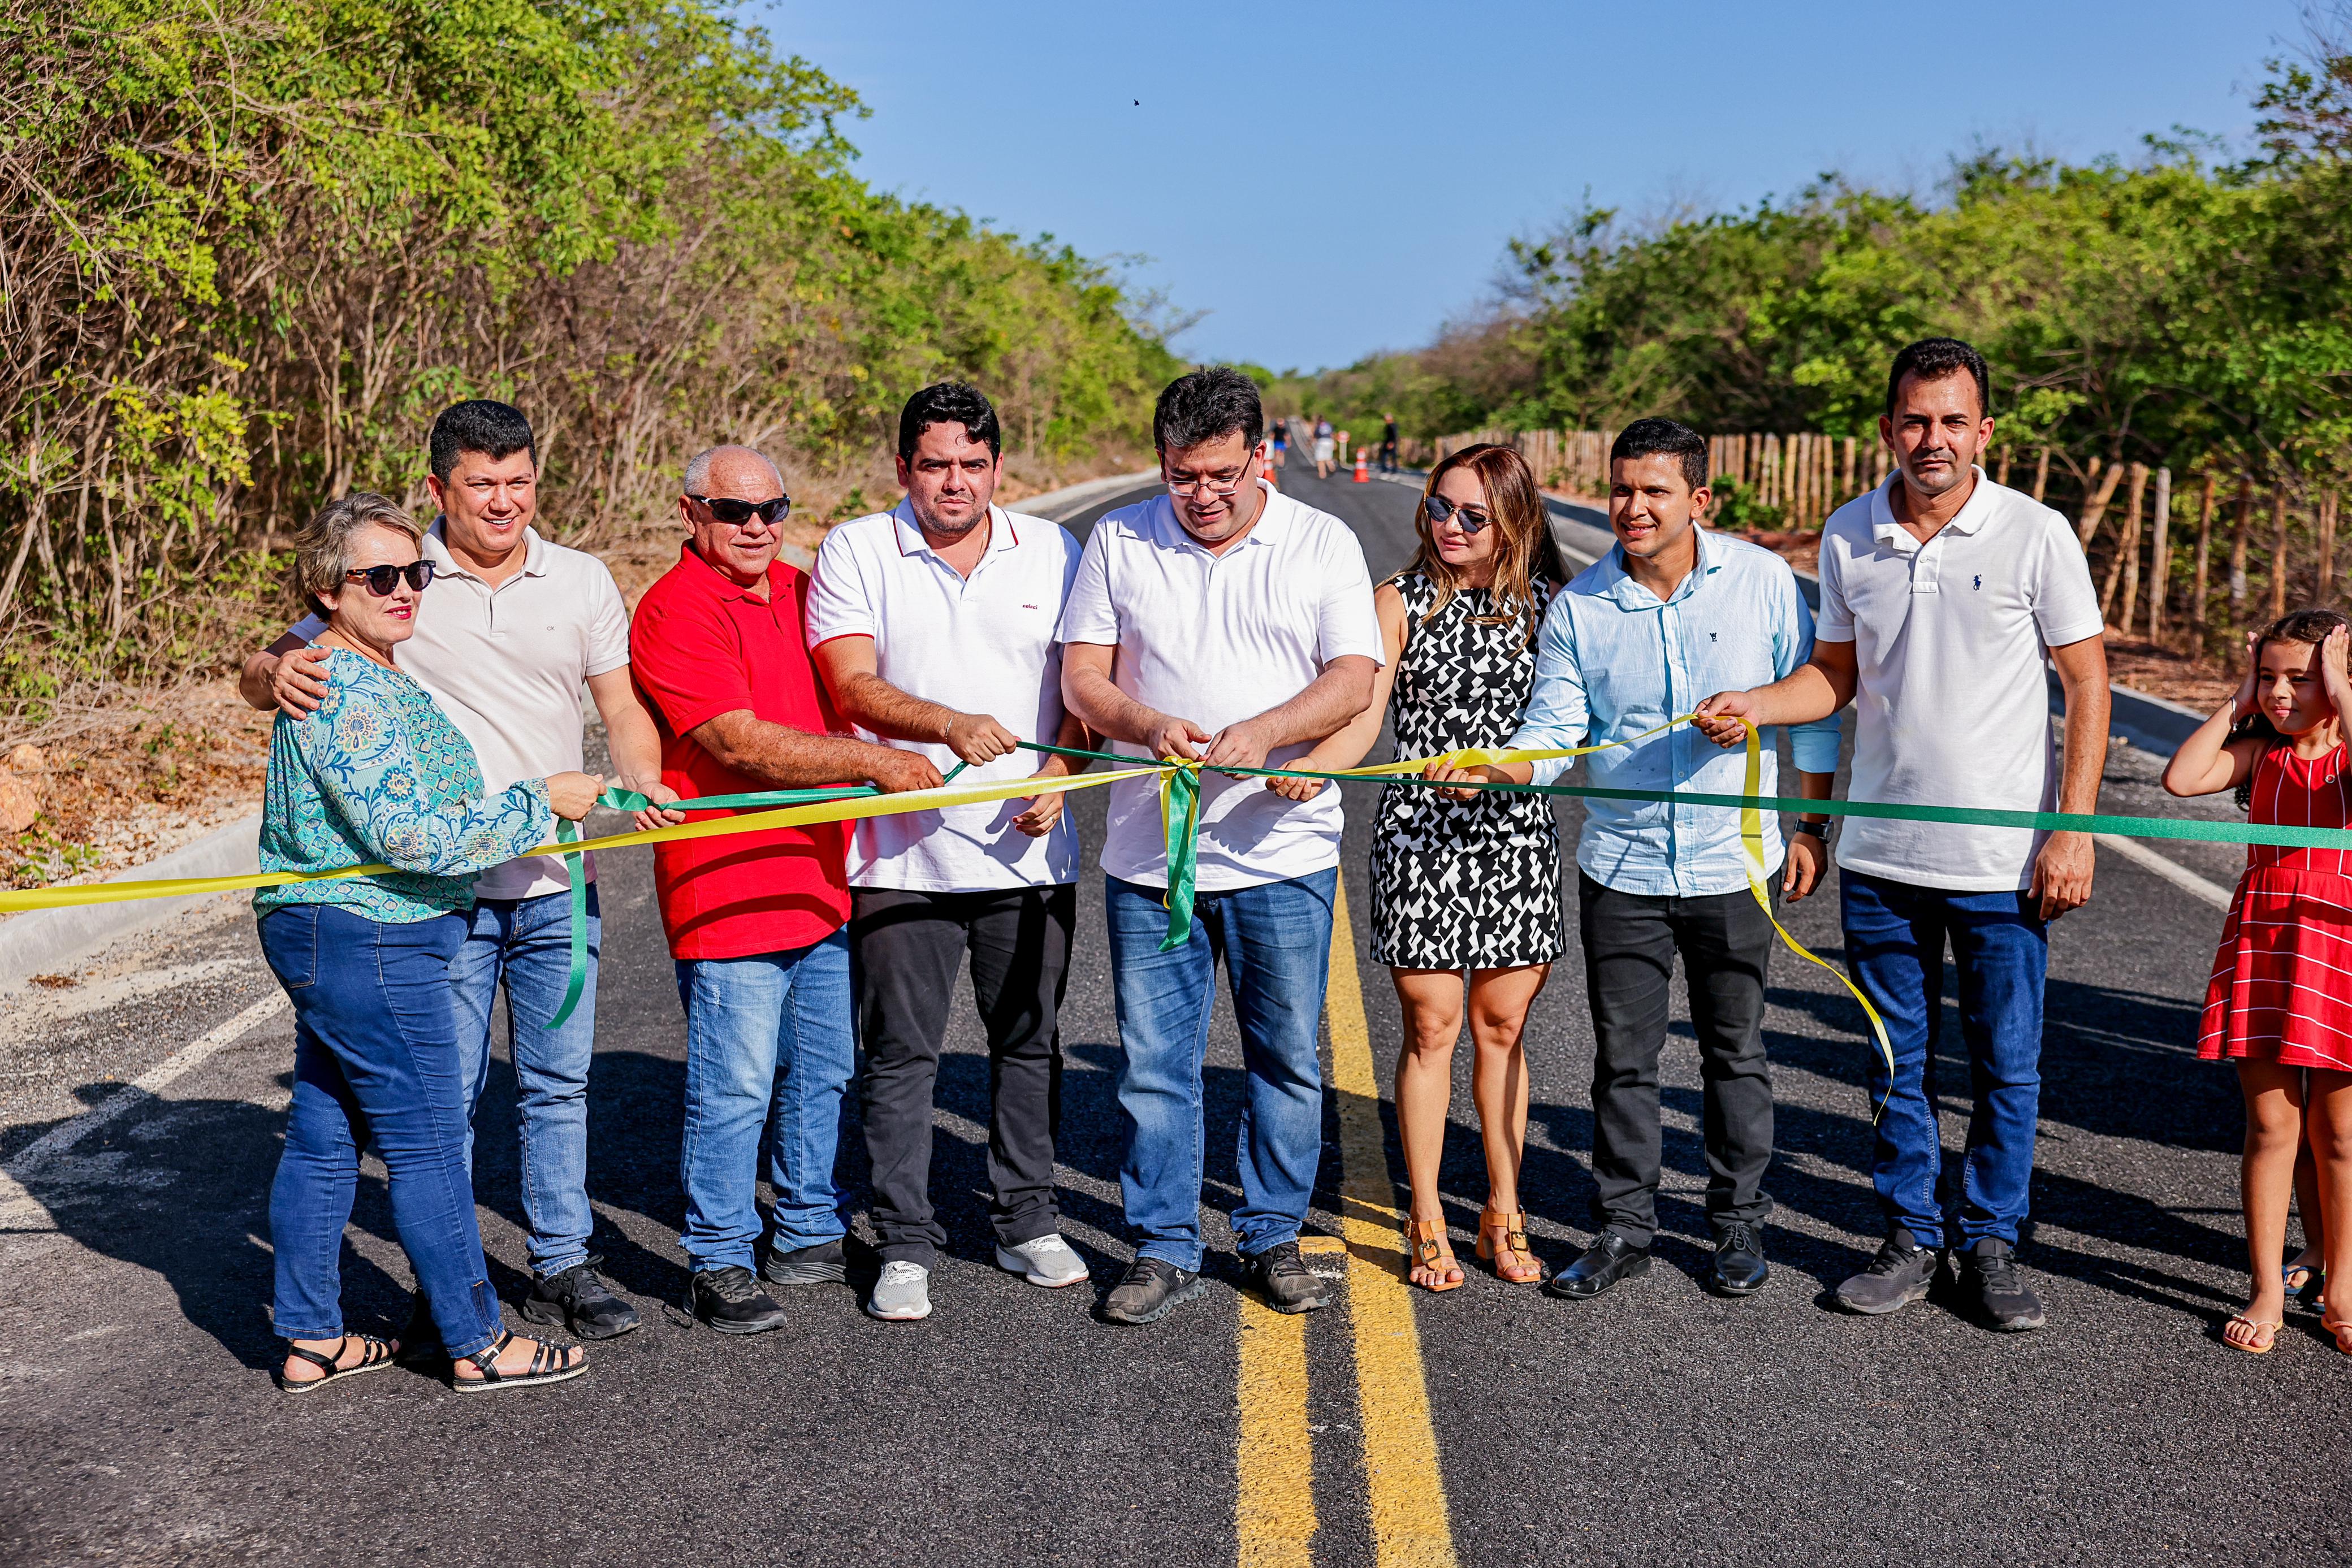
x=1635 y=639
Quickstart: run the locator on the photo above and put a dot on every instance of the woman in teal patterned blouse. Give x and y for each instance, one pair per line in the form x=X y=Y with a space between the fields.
x=380 y=776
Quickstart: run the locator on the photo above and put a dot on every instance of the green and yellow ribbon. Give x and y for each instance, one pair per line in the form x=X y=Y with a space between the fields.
x=1179 y=782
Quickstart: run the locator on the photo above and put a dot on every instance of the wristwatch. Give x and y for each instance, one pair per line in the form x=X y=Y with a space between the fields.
x=1818 y=830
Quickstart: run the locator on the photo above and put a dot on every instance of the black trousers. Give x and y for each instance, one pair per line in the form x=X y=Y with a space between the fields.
x=1630 y=943
x=905 y=947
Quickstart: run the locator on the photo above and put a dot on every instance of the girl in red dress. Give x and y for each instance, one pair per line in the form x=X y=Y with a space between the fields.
x=2280 y=1001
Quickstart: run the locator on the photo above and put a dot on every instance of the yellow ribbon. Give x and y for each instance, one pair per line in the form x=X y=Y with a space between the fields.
x=1751 y=835
x=716 y=827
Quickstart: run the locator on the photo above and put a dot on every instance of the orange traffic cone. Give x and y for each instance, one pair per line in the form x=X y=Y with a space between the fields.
x=1265 y=470
x=1363 y=467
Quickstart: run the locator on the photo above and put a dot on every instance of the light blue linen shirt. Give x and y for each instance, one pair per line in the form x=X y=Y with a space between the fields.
x=1613 y=662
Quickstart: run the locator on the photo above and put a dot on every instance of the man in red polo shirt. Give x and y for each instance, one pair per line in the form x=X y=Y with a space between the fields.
x=754 y=920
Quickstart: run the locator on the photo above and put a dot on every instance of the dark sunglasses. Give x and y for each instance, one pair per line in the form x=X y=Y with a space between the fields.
x=380 y=579
x=735 y=514
x=1468 y=518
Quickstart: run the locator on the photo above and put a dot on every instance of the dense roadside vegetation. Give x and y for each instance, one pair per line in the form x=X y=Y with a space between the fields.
x=2189 y=308
x=248 y=247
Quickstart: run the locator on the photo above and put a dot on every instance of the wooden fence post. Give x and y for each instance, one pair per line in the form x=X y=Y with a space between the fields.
x=2323 y=518
x=2000 y=474
x=2042 y=475
x=2159 y=560
x=2279 y=562
x=2096 y=507
x=2239 y=536
x=1849 y=491
x=2204 y=559
x=2125 y=566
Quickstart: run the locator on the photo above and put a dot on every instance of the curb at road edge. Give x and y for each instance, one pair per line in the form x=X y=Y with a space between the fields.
x=44 y=940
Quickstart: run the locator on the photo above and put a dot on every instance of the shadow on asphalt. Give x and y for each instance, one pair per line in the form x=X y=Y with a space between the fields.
x=2113 y=1065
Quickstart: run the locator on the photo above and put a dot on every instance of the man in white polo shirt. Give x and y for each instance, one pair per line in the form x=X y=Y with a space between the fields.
x=933 y=625
x=1946 y=599
x=510 y=629
x=1227 y=622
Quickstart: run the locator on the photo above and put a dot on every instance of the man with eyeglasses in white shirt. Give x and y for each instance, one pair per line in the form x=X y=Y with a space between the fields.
x=1222 y=623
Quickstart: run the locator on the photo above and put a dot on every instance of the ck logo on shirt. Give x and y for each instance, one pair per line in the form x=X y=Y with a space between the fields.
x=1979 y=582
x=1712 y=637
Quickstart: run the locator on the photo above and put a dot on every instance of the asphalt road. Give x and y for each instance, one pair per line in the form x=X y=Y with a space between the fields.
x=139 y=1423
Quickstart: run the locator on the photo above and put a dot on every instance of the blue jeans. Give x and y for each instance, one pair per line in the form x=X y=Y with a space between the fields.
x=768 y=1037
x=1275 y=940
x=376 y=1063
x=1894 y=936
x=527 y=943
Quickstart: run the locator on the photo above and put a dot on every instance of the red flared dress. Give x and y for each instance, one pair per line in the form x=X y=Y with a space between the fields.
x=2282 y=985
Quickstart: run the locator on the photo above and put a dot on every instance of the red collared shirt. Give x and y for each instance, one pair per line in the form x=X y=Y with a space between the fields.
x=701 y=645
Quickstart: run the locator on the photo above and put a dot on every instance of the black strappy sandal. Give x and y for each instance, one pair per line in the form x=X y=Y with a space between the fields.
x=547 y=1366
x=378 y=1357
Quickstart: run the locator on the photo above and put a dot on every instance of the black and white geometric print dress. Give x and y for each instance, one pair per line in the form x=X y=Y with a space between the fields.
x=1463 y=885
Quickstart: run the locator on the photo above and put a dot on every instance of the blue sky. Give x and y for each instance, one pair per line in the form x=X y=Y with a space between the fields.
x=1327 y=180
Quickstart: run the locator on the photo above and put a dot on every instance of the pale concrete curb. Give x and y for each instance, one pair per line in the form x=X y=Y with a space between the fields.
x=1055 y=506
x=46 y=940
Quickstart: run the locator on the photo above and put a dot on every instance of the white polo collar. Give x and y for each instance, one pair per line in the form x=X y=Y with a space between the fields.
x=1884 y=530
x=1274 y=522
x=436 y=547
x=909 y=533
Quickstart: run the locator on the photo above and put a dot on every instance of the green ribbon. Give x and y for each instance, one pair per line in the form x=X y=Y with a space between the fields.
x=1180 y=820
x=620 y=799
x=1183 y=847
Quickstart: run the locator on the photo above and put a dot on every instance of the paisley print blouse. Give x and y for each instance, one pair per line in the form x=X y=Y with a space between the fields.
x=380 y=775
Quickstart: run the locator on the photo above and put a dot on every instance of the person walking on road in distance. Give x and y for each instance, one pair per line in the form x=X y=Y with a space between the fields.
x=1322 y=448
x=1190 y=614
x=1460 y=885
x=381 y=775
x=754 y=920
x=933 y=624
x=1388 y=443
x=1946 y=599
x=1279 y=435
x=2279 y=1000
x=516 y=627
x=1674 y=609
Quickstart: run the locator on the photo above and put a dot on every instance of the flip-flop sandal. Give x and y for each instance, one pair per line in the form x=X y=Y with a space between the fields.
x=547 y=1366
x=377 y=1357
x=2262 y=1347
x=2310 y=1290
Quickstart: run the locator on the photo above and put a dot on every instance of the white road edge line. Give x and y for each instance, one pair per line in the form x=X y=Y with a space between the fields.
x=2179 y=876
x=147 y=1086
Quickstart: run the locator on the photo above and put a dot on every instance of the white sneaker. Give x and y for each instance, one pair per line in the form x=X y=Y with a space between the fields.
x=902 y=1295
x=1047 y=1260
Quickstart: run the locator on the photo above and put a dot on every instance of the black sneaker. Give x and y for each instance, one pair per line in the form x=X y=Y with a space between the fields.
x=1739 y=1268
x=1989 y=1270
x=1151 y=1290
x=732 y=1302
x=1898 y=1276
x=578 y=1298
x=1289 y=1285
x=823 y=1264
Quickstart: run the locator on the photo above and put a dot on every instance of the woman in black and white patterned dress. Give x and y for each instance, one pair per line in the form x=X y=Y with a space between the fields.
x=1471 y=884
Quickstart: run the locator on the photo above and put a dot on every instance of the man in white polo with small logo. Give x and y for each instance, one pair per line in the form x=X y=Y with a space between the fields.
x=1228 y=623
x=933 y=626
x=1947 y=602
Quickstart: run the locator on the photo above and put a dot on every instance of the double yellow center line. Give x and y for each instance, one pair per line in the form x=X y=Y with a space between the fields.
x=1276 y=1515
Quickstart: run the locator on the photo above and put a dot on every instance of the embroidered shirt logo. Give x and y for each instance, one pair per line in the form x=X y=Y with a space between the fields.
x=1979 y=582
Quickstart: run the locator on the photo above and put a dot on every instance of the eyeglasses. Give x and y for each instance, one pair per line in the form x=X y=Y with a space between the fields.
x=738 y=514
x=1469 y=519
x=1226 y=486
x=380 y=579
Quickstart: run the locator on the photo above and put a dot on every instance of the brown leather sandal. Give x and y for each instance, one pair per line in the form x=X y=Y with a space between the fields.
x=1432 y=1253
x=1503 y=1240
